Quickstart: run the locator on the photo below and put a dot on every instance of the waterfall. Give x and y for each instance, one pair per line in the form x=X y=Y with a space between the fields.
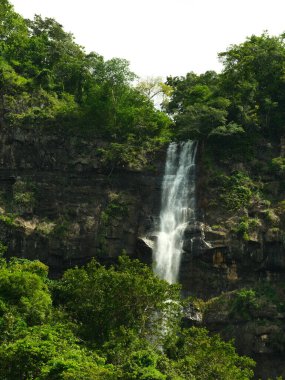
x=177 y=208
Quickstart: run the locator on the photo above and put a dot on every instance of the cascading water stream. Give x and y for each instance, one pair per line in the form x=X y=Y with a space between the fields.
x=177 y=208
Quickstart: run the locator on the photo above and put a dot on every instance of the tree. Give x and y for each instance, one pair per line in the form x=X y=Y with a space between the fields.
x=129 y=318
x=53 y=58
x=23 y=292
x=11 y=84
x=196 y=105
x=253 y=79
x=129 y=296
x=199 y=356
x=156 y=90
x=51 y=352
x=13 y=30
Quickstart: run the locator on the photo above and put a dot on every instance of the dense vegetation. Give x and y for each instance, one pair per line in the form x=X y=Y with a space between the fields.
x=118 y=324
x=48 y=81
x=246 y=100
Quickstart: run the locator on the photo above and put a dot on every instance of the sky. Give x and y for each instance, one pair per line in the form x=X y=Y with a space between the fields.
x=161 y=37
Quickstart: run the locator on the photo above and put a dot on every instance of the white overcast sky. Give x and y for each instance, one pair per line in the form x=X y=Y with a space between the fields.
x=161 y=37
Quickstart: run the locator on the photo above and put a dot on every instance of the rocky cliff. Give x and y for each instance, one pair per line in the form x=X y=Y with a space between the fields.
x=59 y=203
x=235 y=253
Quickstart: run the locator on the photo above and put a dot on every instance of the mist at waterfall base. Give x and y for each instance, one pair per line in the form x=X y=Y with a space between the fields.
x=177 y=208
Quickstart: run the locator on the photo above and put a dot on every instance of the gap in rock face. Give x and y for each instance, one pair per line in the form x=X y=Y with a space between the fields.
x=177 y=208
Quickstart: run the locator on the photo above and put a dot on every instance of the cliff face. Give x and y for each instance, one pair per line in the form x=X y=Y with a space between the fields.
x=235 y=253
x=60 y=204
x=239 y=237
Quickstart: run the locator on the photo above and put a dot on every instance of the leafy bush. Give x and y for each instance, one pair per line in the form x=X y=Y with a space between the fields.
x=116 y=208
x=237 y=190
x=8 y=219
x=243 y=303
x=246 y=226
x=278 y=164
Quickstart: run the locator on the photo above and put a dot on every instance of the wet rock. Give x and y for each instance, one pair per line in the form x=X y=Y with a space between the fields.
x=192 y=316
x=194 y=230
x=144 y=250
x=196 y=246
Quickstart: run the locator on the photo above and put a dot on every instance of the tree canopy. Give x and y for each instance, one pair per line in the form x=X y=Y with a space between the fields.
x=48 y=80
x=246 y=98
x=98 y=323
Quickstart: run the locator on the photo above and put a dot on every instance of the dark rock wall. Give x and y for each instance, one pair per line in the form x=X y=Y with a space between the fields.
x=80 y=209
x=65 y=207
x=219 y=262
x=217 y=258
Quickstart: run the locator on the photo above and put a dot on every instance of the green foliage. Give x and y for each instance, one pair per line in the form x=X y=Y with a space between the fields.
x=253 y=78
x=196 y=106
x=281 y=206
x=3 y=248
x=278 y=164
x=134 y=153
x=116 y=208
x=244 y=302
x=45 y=227
x=50 y=352
x=24 y=291
x=135 y=357
x=117 y=154
x=33 y=344
x=41 y=108
x=59 y=229
x=48 y=81
x=245 y=226
x=237 y=190
x=245 y=100
x=132 y=329
x=272 y=294
x=248 y=304
x=142 y=365
x=109 y=299
x=272 y=217
x=232 y=129
x=199 y=356
x=23 y=196
x=8 y=219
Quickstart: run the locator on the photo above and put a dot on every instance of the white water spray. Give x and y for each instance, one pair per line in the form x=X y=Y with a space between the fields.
x=177 y=208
